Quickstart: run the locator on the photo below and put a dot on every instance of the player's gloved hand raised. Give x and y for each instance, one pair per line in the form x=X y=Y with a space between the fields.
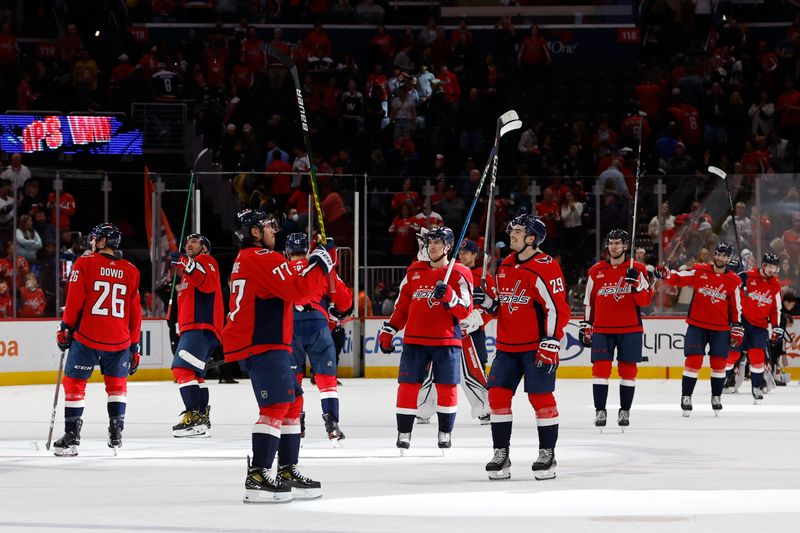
x=182 y=261
x=481 y=298
x=632 y=277
x=737 y=335
x=321 y=257
x=385 y=336
x=547 y=354
x=776 y=339
x=444 y=293
x=134 y=350
x=662 y=272
x=63 y=336
x=585 y=334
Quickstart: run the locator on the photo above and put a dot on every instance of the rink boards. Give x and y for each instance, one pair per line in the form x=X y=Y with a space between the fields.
x=663 y=350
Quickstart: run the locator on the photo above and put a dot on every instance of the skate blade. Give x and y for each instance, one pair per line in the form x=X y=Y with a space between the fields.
x=686 y=414
x=337 y=443
x=262 y=496
x=72 y=451
x=306 y=494
x=115 y=449
x=716 y=413
x=485 y=422
x=499 y=476
x=543 y=475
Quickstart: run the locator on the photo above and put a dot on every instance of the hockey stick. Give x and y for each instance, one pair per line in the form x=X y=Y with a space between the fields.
x=55 y=400
x=183 y=228
x=489 y=221
x=724 y=177
x=508 y=121
x=642 y=114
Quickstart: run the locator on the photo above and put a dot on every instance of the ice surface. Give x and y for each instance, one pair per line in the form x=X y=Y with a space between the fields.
x=738 y=472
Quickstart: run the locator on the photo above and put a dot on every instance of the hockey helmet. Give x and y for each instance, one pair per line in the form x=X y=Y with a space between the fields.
x=443 y=234
x=109 y=232
x=618 y=234
x=248 y=219
x=771 y=259
x=724 y=248
x=203 y=240
x=533 y=227
x=296 y=243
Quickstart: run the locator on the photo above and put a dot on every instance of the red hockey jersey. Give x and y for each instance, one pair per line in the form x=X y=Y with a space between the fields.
x=716 y=302
x=761 y=298
x=427 y=321
x=533 y=302
x=200 y=303
x=103 y=306
x=611 y=306
x=264 y=289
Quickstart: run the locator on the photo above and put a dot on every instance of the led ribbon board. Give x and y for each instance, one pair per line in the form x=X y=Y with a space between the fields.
x=73 y=134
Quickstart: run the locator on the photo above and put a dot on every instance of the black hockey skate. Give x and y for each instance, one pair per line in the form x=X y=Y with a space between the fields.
x=443 y=440
x=115 y=424
x=67 y=446
x=730 y=383
x=545 y=465
x=191 y=424
x=624 y=418
x=716 y=405
x=686 y=405
x=500 y=465
x=335 y=434
x=758 y=395
x=302 y=487
x=261 y=487
x=600 y=418
x=403 y=441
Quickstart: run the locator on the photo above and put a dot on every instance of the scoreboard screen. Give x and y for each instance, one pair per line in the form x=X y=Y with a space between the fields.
x=73 y=134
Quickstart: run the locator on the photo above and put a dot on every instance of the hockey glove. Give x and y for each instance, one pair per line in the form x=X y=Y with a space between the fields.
x=632 y=278
x=481 y=298
x=585 y=334
x=64 y=337
x=473 y=322
x=547 y=354
x=322 y=258
x=662 y=272
x=183 y=262
x=737 y=335
x=444 y=293
x=776 y=339
x=338 y=315
x=385 y=336
x=135 y=358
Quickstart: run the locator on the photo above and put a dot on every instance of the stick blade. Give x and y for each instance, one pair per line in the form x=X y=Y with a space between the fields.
x=718 y=171
x=510 y=126
x=508 y=116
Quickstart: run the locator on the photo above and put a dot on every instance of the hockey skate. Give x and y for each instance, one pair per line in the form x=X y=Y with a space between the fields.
x=500 y=465
x=716 y=405
x=730 y=385
x=261 y=487
x=443 y=441
x=115 y=433
x=191 y=424
x=403 y=441
x=758 y=395
x=421 y=420
x=335 y=434
x=600 y=418
x=303 y=488
x=686 y=405
x=545 y=465
x=624 y=419
x=486 y=419
x=67 y=446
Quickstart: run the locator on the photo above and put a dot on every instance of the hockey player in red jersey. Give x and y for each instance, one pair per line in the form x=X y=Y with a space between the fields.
x=473 y=354
x=615 y=294
x=258 y=334
x=312 y=336
x=532 y=311
x=761 y=307
x=714 y=319
x=200 y=320
x=101 y=324
x=430 y=311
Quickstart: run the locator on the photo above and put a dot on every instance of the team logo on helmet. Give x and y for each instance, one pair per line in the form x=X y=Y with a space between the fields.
x=771 y=259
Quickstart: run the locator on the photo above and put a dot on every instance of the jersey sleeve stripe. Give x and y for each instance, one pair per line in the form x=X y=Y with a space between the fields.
x=552 y=311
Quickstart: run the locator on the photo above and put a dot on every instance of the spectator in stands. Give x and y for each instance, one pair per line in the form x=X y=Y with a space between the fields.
x=28 y=241
x=743 y=225
x=572 y=233
x=788 y=107
x=533 y=53
x=451 y=89
x=7 y=212
x=452 y=207
x=762 y=114
x=473 y=117
x=781 y=153
x=428 y=218
x=425 y=80
x=6 y=301
x=370 y=12
x=403 y=230
x=403 y=113
x=791 y=239
x=427 y=34
x=665 y=219
x=406 y=196
x=737 y=121
x=16 y=173
x=67 y=209
x=343 y=13
x=613 y=176
x=46 y=231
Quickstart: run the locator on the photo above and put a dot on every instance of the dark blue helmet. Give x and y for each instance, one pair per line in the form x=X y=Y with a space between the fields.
x=203 y=240
x=771 y=259
x=296 y=244
x=534 y=227
x=443 y=234
x=248 y=219
x=109 y=232
x=618 y=234
x=724 y=248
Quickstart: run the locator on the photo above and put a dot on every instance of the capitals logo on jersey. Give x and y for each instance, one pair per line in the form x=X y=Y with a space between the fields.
x=717 y=295
x=515 y=298
x=763 y=300
x=617 y=291
x=425 y=293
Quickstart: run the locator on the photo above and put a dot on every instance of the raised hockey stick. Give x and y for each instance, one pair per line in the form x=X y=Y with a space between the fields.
x=724 y=177
x=508 y=121
x=55 y=399
x=489 y=221
x=312 y=171
x=642 y=114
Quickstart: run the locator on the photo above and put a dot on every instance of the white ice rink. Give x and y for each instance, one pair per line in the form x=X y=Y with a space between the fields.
x=738 y=472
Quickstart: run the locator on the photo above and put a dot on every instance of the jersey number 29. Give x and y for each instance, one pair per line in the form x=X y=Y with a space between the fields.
x=117 y=292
